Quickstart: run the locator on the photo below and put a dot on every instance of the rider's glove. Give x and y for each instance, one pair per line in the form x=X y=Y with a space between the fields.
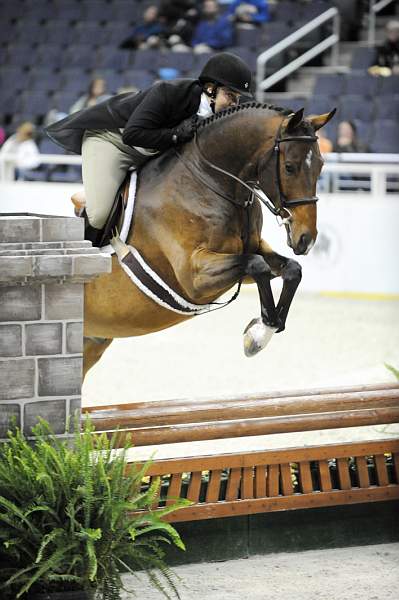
x=185 y=131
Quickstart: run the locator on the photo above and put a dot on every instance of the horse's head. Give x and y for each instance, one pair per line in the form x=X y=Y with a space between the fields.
x=289 y=177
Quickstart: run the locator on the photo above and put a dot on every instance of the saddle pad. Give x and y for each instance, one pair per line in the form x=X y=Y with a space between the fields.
x=129 y=211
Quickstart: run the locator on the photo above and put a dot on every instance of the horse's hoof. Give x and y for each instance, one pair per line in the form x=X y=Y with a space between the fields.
x=256 y=336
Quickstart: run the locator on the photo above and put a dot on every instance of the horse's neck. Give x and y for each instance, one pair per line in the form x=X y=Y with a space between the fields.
x=233 y=142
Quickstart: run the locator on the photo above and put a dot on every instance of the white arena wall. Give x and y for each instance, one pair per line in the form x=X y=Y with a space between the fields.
x=357 y=250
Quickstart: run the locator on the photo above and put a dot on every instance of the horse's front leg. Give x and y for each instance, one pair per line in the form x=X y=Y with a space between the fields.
x=291 y=273
x=213 y=272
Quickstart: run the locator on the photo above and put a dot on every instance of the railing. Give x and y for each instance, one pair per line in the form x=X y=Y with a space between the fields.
x=331 y=41
x=374 y=8
x=377 y=174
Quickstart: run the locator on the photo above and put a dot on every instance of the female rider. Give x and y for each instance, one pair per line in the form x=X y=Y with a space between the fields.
x=128 y=129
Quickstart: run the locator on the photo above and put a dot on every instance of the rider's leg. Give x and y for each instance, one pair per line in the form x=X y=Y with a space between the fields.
x=104 y=167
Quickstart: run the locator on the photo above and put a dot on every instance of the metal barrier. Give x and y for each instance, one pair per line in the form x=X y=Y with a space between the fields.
x=230 y=484
x=331 y=41
x=374 y=8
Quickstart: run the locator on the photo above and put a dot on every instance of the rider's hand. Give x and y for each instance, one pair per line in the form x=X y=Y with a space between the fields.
x=185 y=131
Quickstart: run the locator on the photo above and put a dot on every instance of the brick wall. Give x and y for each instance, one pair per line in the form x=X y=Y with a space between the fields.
x=44 y=263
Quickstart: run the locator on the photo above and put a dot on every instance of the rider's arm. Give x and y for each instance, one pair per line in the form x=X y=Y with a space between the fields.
x=146 y=125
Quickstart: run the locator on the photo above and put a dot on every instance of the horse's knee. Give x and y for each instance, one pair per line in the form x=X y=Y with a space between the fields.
x=292 y=272
x=256 y=266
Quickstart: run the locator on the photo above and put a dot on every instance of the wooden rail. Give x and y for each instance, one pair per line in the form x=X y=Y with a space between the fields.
x=241 y=483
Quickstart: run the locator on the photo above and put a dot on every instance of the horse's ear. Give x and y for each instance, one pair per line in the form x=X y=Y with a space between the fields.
x=295 y=119
x=319 y=121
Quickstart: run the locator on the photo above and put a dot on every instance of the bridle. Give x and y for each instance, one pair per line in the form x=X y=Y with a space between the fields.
x=281 y=208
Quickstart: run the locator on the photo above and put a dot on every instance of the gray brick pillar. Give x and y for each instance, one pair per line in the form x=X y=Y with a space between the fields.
x=44 y=263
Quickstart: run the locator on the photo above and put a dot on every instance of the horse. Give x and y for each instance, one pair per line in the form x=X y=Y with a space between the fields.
x=198 y=222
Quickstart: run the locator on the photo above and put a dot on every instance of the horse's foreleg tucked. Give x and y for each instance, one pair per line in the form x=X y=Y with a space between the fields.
x=291 y=273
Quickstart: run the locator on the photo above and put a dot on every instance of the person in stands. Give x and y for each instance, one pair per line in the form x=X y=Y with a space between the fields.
x=95 y=94
x=128 y=129
x=387 y=55
x=347 y=139
x=249 y=13
x=22 y=146
x=148 y=33
x=214 y=31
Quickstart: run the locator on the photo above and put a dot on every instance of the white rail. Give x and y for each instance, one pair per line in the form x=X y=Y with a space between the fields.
x=331 y=41
x=342 y=172
x=374 y=8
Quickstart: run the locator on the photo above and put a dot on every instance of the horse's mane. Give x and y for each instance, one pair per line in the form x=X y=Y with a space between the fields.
x=242 y=107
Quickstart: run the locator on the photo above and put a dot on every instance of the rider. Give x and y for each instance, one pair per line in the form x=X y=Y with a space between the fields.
x=128 y=129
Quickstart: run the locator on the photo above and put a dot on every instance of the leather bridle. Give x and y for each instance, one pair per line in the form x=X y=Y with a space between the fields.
x=281 y=208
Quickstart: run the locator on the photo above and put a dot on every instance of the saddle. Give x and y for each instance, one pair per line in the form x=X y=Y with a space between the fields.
x=115 y=218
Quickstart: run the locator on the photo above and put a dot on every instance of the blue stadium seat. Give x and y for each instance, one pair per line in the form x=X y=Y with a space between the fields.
x=138 y=79
x=35 y=103
x=90 y=32
x=12 y=79
x=59 y=33
x=127 y=12
x=20 y=54
x=355 y=107
x=385 y=137
x=43 y=79
x=289 y=103
x=49 y=55
x=147 y=60
x=74 y=80
x=248 y=38
x=362 y=84
x=387 y=108
x=62 y=101
x=69 y=11
x=114 y=80
x=98 y=10
x=182 y=61
x=115 y=33
x=318 y=105
x=79 y=55
x=330 y=85
x=363 y=58
x=389 y=86
x=109 y=57
x=30 y=30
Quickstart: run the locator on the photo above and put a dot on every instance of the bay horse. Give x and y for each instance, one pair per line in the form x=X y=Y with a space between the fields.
x=199 y=228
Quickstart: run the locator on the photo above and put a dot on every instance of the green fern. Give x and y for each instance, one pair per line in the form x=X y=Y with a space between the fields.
x=66 y=519
x=393 y=370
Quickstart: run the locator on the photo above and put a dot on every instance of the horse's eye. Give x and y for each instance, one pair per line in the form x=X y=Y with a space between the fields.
x=290 y=169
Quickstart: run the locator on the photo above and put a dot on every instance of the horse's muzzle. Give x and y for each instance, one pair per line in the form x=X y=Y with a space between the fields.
x=304 y=244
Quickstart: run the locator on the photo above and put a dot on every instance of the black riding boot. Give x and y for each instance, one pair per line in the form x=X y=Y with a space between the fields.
x=93 y=235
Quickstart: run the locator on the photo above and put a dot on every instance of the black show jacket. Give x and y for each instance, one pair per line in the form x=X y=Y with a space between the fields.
x=147 y=117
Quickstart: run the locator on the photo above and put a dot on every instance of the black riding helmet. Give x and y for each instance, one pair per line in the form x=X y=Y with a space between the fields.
x=228 y=70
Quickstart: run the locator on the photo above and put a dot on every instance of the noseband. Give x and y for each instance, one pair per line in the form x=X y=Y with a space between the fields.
x=283 y=201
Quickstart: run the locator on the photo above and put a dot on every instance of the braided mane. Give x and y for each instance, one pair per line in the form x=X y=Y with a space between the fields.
x=241 y=107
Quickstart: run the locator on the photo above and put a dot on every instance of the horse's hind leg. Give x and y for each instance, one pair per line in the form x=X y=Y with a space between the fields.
x=291 y=273
x=93 y=350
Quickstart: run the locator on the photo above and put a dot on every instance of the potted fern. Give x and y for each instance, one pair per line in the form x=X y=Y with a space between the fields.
x=73 y=516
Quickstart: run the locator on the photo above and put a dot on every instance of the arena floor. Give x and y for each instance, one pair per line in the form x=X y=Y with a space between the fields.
x=357 y=573
x=329 y=341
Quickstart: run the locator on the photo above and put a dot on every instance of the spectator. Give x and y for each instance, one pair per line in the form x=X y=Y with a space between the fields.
x=148 y=33
x=387 y=55
x=179 y=18
x=250 y=13
x=214 y=31
x=96 y=93
x=347 y=140
x=325 y=144
x=22 y=146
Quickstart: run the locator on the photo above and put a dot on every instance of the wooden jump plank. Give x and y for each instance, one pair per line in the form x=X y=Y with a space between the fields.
x=247 y=483
x=188 y=402
x=381 y=468
x=343 y=474
x=262 y=426
x=233 y=484
x=286 y=479
x=305 y=477
x=194 y=486
x=272 y=481
x=174 y=488
x=362 y=472
x=240 y=409
x=325 y=477
x=248 y=459
x=213 y=489
x=395 y=458
x=260 y=481
x=296 y=501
